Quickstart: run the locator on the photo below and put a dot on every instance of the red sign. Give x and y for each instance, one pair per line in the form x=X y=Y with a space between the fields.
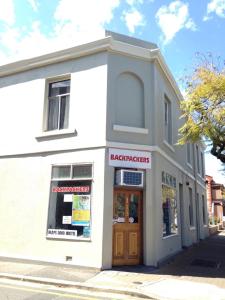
x=70 y=189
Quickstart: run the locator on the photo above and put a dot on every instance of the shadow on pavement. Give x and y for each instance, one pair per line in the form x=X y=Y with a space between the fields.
x=205 y=259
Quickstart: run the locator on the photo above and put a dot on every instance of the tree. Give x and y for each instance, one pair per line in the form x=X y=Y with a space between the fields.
x=204 y=106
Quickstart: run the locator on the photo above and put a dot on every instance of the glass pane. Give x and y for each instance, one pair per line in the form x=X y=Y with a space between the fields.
x=169 y=207
x=61 y=172
x=119 y=209
x=59 y=88
x=82 y=171
x=133 y=209
x=64 y=112
x=53 y=113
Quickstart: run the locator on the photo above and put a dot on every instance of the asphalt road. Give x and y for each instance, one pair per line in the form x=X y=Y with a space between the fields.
x=21 y=291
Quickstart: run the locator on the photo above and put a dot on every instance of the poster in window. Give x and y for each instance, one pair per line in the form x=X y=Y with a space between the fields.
x=81 y=210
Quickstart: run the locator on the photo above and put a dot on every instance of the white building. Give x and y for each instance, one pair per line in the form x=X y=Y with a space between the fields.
x=90 y=171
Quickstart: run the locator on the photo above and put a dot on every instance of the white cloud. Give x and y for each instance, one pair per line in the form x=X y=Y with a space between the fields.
x=134 y=2
x=133 y=19
x=34 y=4
x=172 y=18
x=75 y=22
x=7 y=13
x=217 y=7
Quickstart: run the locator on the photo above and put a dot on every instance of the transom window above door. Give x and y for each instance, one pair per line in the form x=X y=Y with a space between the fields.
x=58 y=105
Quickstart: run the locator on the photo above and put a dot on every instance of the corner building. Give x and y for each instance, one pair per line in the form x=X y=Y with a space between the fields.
x=90 y=171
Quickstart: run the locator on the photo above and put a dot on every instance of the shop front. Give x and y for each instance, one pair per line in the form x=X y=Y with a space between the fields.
x=129 y=186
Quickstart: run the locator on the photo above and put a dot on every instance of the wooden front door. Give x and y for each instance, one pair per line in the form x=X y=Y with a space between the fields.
x=127 y=228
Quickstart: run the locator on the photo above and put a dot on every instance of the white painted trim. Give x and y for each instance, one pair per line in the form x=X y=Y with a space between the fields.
x=130 y=129
x=189 y=165
x=170 y=236
x=168 y=145
x=56 y=133
x=106 y=44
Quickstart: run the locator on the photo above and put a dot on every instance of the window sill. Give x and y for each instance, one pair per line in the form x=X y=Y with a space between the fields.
x=169 y=236
x=130 y=129
x=49 y=237
x=168 y=145
x=189 y=165
x=192 y=228
x=56 y=134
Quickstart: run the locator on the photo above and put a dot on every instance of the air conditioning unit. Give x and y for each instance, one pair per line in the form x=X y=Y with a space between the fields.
x=130 y=178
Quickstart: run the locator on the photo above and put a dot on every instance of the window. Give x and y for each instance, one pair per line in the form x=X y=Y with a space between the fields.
x=169 y=206
x=189 y=153
x=202 y=165
x=203 y=210
x=58 y=105
x=167 y=121
x=69 y=214
x=197 y=159
x=191 y=214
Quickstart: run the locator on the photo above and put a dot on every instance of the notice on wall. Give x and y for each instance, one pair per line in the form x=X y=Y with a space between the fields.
x=66 y=219
x=129 y=158
x=81 y=210
x=68 y=198
x=61 y=233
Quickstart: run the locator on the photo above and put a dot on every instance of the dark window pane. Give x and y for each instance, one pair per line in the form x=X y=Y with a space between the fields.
x=60 y=205
x=59 y=88
x=82 y=171
x=133 y=209
x=61 y=172
x=53 y=112
x=119 y=208
x=64 y=112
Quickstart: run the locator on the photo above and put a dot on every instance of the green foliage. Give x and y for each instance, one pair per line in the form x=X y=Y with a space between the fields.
x=204 y=107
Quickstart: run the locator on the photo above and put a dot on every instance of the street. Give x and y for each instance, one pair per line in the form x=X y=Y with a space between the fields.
x=15 y=290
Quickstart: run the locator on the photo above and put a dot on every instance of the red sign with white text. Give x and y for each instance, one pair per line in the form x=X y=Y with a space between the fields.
x=129 y=158
x=70 y=189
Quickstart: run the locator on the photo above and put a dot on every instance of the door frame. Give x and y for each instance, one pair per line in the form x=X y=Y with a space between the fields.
x=141 y=225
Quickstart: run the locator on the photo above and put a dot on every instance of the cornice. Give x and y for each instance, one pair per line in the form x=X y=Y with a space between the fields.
x=106 y=44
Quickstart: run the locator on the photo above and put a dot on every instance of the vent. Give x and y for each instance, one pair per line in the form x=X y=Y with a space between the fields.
x=129 y=178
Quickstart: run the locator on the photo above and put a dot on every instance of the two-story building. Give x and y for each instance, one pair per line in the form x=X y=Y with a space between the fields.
x=90 y=171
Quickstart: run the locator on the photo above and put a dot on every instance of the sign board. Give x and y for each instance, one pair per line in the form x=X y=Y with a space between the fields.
x=62 y=233
x=81 y=210
x=129 y=158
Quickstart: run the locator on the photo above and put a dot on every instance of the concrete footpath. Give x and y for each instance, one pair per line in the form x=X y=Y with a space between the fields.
x=196 y=273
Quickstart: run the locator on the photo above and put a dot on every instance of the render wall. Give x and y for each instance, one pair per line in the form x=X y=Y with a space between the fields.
x=22 y=101
x=24 y=202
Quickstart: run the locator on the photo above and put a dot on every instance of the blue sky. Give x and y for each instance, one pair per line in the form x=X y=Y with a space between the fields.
x=180 y=28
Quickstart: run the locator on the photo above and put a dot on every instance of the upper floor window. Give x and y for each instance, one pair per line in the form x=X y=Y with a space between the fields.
x=58 y=105
x=197 y=159
x=202 y=165
x=189 y=153
x=167 y=121
x=191 y=208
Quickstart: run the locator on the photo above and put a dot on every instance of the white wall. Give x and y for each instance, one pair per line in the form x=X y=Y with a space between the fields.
x=24 y=210
x=22 y=109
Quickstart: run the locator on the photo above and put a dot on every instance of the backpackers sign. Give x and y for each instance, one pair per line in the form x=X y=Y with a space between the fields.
x=129 y=158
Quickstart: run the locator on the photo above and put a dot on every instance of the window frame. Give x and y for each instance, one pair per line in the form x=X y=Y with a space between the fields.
x=191 y=208
x=197 y=160
x=170 y=184
x=167 y=121
x=48 y=82
x=70 y=178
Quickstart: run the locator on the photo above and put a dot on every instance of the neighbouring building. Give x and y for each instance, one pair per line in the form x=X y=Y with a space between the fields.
x=215 y=200
x=90 y=171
